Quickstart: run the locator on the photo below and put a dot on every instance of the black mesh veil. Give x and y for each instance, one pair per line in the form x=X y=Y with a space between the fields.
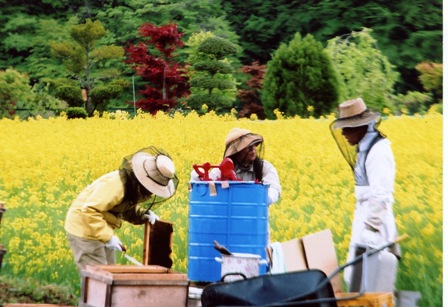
x=135 y=192
x=244 y=142
x=347 y=150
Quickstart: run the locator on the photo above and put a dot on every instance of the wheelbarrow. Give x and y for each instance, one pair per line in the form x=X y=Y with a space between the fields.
x=310 y=288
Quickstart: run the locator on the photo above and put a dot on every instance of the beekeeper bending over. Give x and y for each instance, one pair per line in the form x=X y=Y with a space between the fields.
x=144 y=180
x=245 y=149
x=369 y=154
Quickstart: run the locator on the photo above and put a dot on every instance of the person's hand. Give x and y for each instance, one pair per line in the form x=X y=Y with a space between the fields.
x=151 y=217
x=115 y=243
x=372 y=238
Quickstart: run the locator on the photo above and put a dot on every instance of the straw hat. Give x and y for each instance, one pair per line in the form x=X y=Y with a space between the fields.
x=155 y=173
x=237 y=139
x=354 y=113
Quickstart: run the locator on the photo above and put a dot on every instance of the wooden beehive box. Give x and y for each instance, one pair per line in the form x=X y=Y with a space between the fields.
x=119 y=285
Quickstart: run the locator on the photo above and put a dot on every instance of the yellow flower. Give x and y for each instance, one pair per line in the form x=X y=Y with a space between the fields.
x=45 y=163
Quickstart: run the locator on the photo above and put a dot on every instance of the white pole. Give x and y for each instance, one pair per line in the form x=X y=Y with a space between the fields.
x=133 y=93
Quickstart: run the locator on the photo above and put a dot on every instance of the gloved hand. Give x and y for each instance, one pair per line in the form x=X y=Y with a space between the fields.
x=151 y=217
x=372 y=238
x=115 y=243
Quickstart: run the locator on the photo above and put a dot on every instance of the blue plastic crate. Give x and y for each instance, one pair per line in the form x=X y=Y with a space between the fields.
x=236 y=217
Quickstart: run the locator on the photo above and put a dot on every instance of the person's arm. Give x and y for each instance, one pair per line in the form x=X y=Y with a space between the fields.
x=134 y=215
x=97 y=199
x=380 y=168
x=270 y=176
x=194 y=176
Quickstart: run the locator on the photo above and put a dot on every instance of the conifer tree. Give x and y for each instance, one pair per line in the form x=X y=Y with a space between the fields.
x=300 y=80
x=92 y=63
x=212 y=82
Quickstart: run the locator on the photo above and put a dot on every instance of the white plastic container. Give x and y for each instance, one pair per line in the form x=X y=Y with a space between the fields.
x=246 y=264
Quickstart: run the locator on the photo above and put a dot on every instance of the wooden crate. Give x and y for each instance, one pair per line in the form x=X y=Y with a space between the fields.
x=119 y=285
x=33 y=305
x=372 y=299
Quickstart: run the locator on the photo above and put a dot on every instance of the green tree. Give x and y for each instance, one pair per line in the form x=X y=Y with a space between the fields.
x=408 y=32
x=15 y=91
x=30 y=43
x=70 y=94
x=431 y=77
x=362 y=69
x=262 y=26
x=211 y=79
x=121 y=18
x=300 y=80
x=43 y=103
x=18 y=98
x=90 y=61
x=39 y=65
x=412 y=103
x=27 y=26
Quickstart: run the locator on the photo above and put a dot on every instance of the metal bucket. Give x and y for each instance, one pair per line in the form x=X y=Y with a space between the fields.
x=246 y=264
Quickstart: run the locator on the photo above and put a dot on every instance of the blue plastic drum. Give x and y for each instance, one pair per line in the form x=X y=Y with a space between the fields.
x=236 y=216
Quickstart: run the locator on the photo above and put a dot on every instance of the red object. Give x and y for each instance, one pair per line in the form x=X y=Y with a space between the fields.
x=226 y=167
x=164 y=79
x=227 y=170
x=203 y=175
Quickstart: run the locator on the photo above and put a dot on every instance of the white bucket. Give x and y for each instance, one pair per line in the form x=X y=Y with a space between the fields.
x=246 y=264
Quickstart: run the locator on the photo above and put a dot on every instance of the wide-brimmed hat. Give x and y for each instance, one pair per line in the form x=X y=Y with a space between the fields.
x=237 y=139
x=155 y=173
x=354 y=113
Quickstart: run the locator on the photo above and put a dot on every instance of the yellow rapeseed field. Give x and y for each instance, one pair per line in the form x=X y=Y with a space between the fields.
x=45 y=163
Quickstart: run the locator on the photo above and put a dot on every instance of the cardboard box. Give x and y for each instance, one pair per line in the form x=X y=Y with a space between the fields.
x=118 y=285
x=376 y=299
x=314 y=251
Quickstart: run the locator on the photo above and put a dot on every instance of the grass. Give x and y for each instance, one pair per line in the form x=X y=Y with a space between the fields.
x=17 y=290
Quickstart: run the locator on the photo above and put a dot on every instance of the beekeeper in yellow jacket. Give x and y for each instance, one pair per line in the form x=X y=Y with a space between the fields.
x=144 y=180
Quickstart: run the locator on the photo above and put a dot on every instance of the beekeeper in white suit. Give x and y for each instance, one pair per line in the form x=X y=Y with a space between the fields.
x=369 y=154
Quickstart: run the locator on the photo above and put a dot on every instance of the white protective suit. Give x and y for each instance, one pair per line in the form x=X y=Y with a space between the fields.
x=374 y=202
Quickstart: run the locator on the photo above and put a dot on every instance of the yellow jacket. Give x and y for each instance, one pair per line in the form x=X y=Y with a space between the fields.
x=100 y=208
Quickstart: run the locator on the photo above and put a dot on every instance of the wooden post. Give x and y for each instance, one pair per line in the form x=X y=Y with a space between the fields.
x=2 y=210
x=146 y=242
x=2 y=250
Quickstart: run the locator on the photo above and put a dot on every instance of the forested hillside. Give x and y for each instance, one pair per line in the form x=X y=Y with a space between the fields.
x=406 y=32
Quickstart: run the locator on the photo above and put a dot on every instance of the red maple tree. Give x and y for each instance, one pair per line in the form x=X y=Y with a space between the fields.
x=166 y=79
x=250 y=98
